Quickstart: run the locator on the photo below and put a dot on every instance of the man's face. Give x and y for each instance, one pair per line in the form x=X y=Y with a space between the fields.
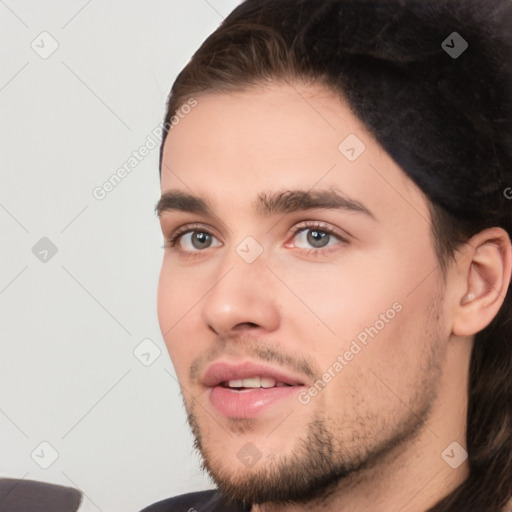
x=341 y=307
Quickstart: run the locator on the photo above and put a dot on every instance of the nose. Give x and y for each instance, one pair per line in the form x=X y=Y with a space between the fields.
x=242 y=296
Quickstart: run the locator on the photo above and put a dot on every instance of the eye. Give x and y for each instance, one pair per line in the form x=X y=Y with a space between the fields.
x=196 y=240
x=192 y=239
x=312 y=237
x=315 y=237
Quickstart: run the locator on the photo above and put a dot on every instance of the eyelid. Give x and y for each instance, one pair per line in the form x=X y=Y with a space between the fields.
x=320 y=226
x=188 y=228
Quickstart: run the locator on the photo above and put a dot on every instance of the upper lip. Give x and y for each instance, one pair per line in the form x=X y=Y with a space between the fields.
x=222 y=371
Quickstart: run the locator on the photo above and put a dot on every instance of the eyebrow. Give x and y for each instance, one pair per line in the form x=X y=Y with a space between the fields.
x=267 y=204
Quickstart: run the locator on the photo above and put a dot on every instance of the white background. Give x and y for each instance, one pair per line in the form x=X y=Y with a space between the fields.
x=68 y=326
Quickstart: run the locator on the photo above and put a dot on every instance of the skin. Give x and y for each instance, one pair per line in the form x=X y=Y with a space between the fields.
x=377 y=430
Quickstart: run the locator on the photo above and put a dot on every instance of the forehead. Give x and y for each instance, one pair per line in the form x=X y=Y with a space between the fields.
x=279 y=121
x=279 y=136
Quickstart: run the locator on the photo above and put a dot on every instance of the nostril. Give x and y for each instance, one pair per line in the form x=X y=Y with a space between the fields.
x=245 y=325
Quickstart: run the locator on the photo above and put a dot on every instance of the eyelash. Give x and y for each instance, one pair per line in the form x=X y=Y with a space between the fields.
x=172 y=241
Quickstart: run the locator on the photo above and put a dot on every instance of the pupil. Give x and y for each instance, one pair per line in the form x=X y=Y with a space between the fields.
x=317 y=238
x=200 y=238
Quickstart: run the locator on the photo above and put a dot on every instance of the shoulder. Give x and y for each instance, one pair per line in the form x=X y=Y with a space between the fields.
x=21 y=494
x=203 y=501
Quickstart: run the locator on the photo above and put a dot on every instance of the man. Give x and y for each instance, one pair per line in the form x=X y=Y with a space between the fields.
x=335 y=290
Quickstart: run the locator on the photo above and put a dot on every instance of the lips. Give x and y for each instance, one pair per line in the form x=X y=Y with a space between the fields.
x=246 y=390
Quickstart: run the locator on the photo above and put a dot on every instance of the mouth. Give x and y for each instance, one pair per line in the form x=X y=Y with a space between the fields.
x=242 y=385
x=247 y=390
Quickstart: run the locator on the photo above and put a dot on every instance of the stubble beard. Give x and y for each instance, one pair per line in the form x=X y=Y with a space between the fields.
x=323 y=462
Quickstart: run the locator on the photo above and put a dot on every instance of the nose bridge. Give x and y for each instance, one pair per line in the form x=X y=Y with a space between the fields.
x=241 y=292
x=246 y=259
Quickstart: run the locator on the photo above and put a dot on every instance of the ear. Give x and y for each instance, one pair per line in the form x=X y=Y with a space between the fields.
x=481 y=280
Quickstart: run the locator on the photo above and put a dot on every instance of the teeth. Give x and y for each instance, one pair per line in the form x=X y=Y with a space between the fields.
x=255 y=382
x=267 y=382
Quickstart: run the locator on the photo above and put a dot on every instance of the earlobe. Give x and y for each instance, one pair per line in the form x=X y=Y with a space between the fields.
x=487 y=273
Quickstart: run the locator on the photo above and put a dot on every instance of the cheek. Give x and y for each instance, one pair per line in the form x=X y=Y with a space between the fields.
x=378 y=367
x=175 y=300
x=345 y=296
x=378 y=298
x=179 y=290
x=166 y=296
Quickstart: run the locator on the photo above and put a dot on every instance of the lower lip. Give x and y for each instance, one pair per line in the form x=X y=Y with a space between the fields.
x=248 y=403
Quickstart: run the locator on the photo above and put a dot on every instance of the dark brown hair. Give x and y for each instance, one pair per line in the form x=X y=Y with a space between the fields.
x=447 y=121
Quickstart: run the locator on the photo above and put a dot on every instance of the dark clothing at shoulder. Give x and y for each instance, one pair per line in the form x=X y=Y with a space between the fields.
x=204 y=501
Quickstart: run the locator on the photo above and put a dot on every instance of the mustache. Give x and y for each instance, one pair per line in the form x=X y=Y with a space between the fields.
x=238 y=348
